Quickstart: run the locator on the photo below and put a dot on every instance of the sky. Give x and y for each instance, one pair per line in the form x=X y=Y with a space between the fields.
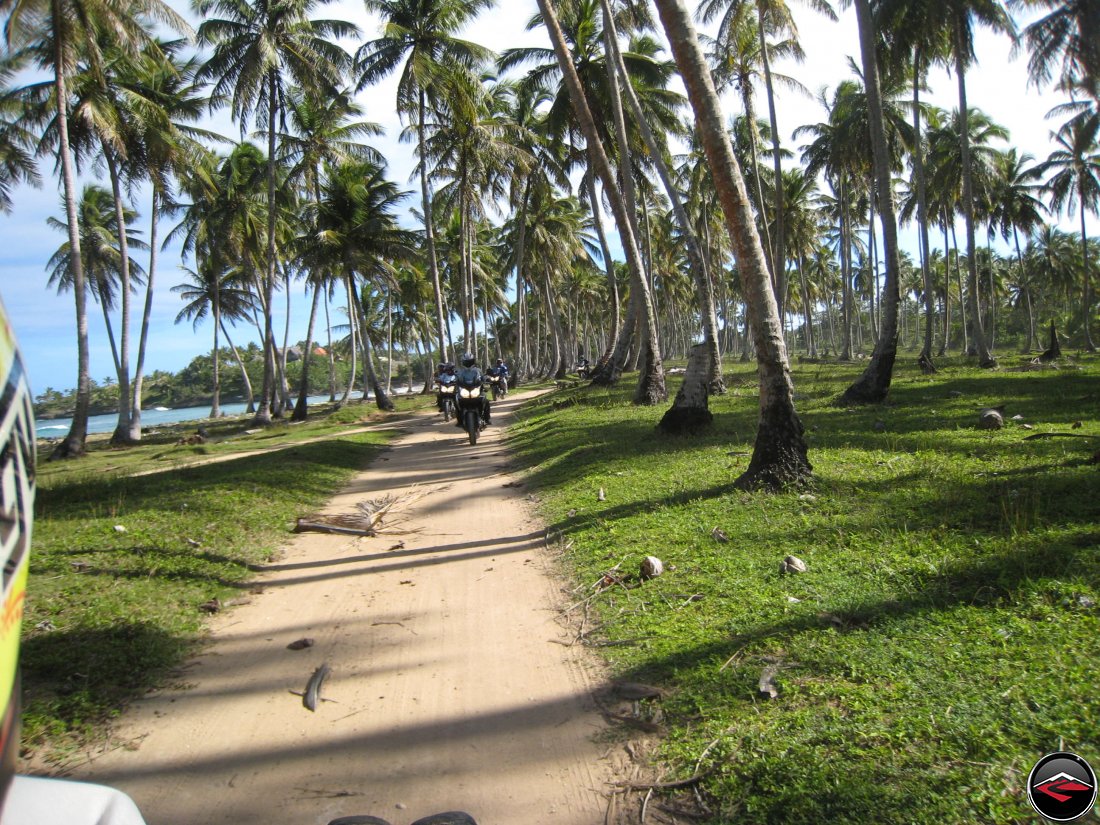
x=45 y=322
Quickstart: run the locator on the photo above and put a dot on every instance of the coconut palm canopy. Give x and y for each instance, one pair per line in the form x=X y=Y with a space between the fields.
x=516 y=205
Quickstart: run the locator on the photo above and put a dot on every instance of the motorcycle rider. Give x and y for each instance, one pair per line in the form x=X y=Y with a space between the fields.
x=500 y=370
x=32 y=799
x=445 y=369
x=470 y=374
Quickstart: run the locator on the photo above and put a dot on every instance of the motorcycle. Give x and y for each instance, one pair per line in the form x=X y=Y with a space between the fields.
x=447 y=396
x=468 y=400
x=499 y=386
x=583 y=369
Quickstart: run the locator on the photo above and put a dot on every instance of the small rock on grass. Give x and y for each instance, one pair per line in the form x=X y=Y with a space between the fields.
x=991 y=419
x=766 y=686
x=601 y=496
x=651 y=567
x=792 y=564
x=719 y=535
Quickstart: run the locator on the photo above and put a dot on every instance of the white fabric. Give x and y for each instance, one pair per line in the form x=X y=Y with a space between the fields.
x=33 y=800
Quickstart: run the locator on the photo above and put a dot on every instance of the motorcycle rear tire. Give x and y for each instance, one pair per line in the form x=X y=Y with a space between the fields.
x=473 y=425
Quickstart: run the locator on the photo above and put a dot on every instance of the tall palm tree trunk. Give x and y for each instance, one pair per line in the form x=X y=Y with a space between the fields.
x=924 y=360
x=267 y=388
x=557 y=362
x=250 y=398
x=1086 y=310
x=301 y=407
x=381 y=397
x=121 y=434
x=873 y=385
x=351 y=337
x=651 y=382
x=331 y=357
x=521 y=316
x=429 y=231
x=216 y=394
x=143 y=339
x=779 y=272
x=779 y=456
x=978 y=336
x=283 y=395
x=845 y=269
x=608 y=367
x=703 y=287
x=73 y=444
x=389 y=340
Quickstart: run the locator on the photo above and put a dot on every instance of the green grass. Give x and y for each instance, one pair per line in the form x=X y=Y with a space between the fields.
x=110 y=613
x=945 y=636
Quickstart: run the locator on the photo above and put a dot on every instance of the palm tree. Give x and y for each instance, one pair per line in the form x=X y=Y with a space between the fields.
x=324 y=129
x=779 y=456
x=947 y=180
x=651 y=383
x=223 y=226
x=56 y=34
x=1068 y=32
x=258 y=49
x=474 y=148
x=772 y=16
x=696 y=260
x=101 y=250
x=1075 y=184
x=209 y=292
x=838 y=150
x=17 y=139
x=874 y=383
x=419 y=37
x=960 y=16
x=1015 y=208
x=355 y=234
x=171 y=102
x=102 y=125
x=586 y=40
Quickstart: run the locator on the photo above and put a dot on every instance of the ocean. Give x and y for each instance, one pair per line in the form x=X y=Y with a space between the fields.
x=151 y=418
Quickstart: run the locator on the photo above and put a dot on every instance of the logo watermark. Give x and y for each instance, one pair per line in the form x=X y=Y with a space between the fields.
x=1062 y=787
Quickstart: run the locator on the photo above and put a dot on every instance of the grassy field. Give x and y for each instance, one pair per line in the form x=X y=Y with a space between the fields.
x=128 y=543
x=945 y=635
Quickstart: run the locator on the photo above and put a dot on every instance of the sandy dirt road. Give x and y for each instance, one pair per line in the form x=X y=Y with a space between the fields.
x=446 y=691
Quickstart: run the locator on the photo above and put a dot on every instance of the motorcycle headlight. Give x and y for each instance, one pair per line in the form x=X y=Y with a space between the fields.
x=447 y=388
x=470 y=392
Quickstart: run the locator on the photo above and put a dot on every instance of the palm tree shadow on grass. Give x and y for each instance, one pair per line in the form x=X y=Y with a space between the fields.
x=81 y=676
x=993 y=580
x=279 y=470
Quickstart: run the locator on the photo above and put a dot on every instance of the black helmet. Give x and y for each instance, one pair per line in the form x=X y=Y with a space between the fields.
x=500 y=361
x=468 y=359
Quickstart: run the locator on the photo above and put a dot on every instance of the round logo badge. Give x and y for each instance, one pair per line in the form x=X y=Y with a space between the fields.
x=1062 y=787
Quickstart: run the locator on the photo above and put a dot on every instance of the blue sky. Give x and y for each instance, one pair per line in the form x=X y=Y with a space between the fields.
x=44 y=322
